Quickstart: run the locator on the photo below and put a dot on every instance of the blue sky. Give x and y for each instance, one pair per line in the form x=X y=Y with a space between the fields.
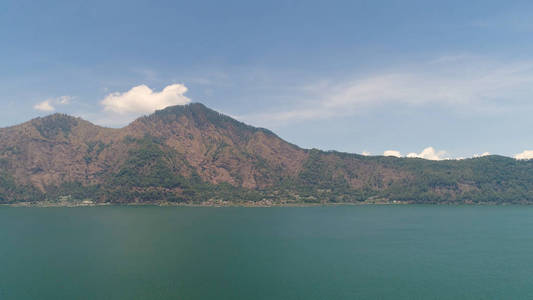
x=355 y=76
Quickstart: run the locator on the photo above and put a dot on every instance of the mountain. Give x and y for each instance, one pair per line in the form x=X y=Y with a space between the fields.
x=192 y=154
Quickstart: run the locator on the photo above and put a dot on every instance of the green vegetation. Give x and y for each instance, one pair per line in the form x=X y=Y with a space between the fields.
x=150 y=173
x=51 y=126
x=10 y=192
x=155 y=173
x=493 y=179
x=203 y=116
x=158 y=167
x=93 y=150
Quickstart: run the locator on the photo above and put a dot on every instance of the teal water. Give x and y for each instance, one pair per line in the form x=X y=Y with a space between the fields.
x=352 y=252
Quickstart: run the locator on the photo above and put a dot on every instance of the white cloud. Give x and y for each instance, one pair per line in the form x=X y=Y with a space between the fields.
x=482 y=154
x=64 y=100
x=48 y=105
x=526 y=154
x=366 y=153
x=44 y=106
x=429 y=153
x=462 y=83
x=143 y=100
x=392 y=153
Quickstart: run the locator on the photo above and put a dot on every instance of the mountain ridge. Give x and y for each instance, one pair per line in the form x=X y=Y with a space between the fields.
x=193 y=154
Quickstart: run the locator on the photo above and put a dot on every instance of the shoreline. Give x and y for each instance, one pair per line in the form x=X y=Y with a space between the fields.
x=248 y=205
x=25 y=204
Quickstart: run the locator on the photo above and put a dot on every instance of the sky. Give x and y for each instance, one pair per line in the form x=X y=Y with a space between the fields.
x=430 y=79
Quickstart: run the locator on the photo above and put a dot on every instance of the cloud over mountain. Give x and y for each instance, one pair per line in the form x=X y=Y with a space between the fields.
x=44 y=106
x=459 y=83
x=428 y=153
x=48 y=105
x=143 y=100
x=392 y=153
x=526 y=154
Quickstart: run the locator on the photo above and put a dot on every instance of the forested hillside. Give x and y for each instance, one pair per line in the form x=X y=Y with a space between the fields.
x=192 y=154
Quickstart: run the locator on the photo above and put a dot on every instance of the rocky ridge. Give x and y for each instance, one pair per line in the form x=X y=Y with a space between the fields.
x=192 y=154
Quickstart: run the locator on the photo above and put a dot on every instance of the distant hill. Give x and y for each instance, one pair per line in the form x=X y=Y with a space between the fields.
x=192 y=154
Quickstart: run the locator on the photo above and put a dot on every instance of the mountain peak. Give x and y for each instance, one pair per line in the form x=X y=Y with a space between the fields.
x=201 y=116
x=52 y=125
x=193 y=153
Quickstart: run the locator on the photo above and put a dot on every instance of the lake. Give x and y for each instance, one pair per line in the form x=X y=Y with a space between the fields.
x=341 y=252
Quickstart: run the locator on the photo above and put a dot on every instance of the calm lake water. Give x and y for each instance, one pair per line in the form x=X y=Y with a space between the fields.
x=351 y=252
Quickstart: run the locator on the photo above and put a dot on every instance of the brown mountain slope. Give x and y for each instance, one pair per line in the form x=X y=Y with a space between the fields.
x=191 y=153
x=221 y=149
x=56 y=149
x=52 y=150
